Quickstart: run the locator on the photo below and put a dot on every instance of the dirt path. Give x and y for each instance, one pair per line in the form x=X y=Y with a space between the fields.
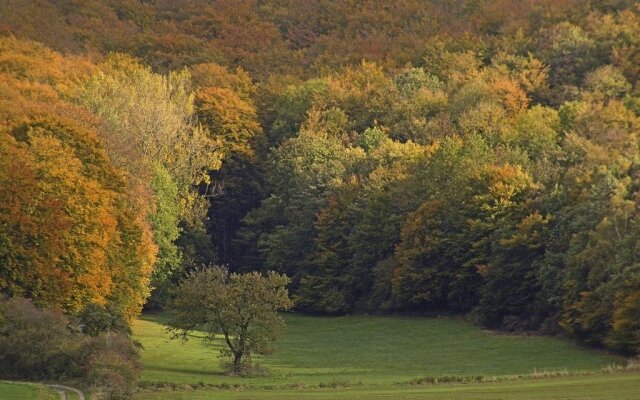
x=63 y=390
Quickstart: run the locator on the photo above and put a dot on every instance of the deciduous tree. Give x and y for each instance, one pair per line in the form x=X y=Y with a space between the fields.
x=241 y=307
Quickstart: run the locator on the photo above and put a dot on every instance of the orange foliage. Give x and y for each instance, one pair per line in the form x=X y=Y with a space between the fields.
x=231 y=120
x=68 y=233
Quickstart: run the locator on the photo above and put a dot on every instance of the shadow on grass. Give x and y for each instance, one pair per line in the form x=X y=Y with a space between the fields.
x=160 y=318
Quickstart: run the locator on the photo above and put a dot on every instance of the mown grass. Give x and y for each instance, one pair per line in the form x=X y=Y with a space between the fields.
x=25 y=391
x=614 y=387
x=363 y=351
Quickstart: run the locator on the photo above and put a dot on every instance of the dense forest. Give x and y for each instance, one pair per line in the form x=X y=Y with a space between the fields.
x=476 y=157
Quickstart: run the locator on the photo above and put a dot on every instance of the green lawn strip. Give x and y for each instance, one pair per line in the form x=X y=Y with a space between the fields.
x=363 y=351
x=25 y=391
x=44 y=393
x=620 y=386
x=73 y=395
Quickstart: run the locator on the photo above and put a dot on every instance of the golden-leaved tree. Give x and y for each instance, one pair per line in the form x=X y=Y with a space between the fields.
x=70 y=234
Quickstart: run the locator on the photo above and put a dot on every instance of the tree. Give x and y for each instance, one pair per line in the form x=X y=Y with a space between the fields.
x=166 y=231
x=70 y=232
x=243 y=307
x=329 y=285
x=154 y=114
x=302 y=172
x=432 y=270
x=151 y=134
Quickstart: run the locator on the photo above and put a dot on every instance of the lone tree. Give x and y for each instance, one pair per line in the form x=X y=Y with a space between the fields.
x=242 y=307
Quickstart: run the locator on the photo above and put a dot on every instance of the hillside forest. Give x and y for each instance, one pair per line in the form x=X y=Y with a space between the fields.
x=475 y=157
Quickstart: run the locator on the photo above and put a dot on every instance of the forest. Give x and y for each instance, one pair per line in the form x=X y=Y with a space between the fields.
x=475 y=157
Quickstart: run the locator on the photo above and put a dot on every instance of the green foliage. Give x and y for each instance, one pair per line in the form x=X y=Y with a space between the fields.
x=153 y=113
x=537 y=131
x=371 y=138
x=607 y=82
x=243 y=307
x=571 y=54
x=596 y=295
x=43 y=344
x=331 y=283
x=95 y=319
x=164 y=221
x=111 y=365
x=292 y=108
x=433 y=267
x=35 y=343
x=303 y=169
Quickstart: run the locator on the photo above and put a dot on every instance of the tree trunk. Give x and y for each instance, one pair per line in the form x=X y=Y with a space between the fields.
x=237 y=363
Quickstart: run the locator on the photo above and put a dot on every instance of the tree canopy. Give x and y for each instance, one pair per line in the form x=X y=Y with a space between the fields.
x=241 y=307
x=476 y=157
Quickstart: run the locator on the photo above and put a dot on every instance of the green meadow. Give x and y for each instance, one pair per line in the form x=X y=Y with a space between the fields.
x=614 y=387
x=381 y=357
x=25 y=391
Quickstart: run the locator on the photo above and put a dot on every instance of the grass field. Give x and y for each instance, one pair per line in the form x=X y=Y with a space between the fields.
x=25 y=391
x=613 y=387
x=377 y=357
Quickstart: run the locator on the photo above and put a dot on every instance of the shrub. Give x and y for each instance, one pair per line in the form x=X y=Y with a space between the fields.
x=95 y=319
x=112 y=365
x=37 y=344
x=34 y=343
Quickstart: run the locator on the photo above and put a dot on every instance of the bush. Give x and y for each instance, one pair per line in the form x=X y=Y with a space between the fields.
x=38 y=344
x=34 y=343
x=95 y=319
x=112 y=365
